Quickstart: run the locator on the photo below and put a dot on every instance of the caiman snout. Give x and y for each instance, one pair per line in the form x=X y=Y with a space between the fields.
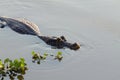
x=75 y=46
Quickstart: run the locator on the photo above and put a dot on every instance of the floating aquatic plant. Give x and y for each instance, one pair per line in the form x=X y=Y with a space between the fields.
x=37 y=57
x=13 y=68
x=17 y=68
x=59 y=56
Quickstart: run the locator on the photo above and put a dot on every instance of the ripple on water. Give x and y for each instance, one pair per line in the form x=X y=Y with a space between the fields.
x=29 y=43
x=68 y=55
x=50 y=63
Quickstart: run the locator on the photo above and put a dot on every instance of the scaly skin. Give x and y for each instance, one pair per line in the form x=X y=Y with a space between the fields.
x=26 y=27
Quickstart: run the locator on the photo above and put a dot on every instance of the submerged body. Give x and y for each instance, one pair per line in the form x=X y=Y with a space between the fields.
x=23 y=26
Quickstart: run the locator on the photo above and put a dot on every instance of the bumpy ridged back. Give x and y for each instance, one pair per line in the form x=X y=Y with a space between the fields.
x=30 y=24
x=20 y=22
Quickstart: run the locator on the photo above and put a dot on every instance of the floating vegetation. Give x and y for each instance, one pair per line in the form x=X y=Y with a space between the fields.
x=59 y=56
x=13 y=69
x=37 y=57
x=16 y=69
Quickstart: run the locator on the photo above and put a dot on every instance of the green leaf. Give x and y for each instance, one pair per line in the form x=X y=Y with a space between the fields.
x=45 y=54
x=11 y=64
x=33 y=53
x=1 y=66
x=6 y=60
x=59 y=53
x=59 y=56
x=1 y=62
x=22 y=60
x=20 y=77
x=22 y=65
x=16 y=63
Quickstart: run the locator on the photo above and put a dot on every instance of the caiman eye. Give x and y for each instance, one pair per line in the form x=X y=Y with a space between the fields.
x=63 y=38
x=58 y=39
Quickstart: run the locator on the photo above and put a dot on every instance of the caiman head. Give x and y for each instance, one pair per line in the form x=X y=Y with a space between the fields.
x=61 y=42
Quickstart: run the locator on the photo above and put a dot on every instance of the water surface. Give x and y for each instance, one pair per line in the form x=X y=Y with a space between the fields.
x=94 y=24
